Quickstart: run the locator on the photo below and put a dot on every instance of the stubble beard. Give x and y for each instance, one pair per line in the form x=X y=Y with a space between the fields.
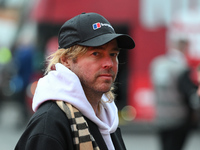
x=98 y=85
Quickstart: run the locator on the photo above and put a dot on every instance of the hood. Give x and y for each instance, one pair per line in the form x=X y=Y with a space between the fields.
x=63 y=84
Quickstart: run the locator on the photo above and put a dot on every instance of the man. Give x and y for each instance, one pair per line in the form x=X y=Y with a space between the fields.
x=172 y=87
x=73 y=103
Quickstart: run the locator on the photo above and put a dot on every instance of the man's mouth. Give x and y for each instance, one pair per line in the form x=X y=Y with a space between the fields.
x=106 y=76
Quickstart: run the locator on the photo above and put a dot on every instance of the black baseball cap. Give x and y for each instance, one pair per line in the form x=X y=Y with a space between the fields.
x=91 y=29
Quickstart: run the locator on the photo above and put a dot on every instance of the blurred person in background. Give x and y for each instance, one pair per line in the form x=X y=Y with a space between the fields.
x=23 y=64
x=24 y=50
x=74 y=102
x=198 y=78
x=173 y=109
x=188 y=85
x=5 y=75
x=196 y=104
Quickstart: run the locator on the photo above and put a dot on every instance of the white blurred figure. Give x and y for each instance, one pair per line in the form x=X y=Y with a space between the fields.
x=171 y=108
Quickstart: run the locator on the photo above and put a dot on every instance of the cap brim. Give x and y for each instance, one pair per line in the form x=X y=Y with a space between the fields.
x=123 y=41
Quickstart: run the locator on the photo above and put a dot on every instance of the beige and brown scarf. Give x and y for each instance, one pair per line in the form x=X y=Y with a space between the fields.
x=82 y=138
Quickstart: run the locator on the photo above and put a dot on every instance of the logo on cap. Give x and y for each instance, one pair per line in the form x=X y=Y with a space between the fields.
x=96 y=25
x=99 y=25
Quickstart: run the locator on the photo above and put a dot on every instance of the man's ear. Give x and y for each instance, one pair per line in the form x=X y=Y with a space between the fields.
x=65 y=61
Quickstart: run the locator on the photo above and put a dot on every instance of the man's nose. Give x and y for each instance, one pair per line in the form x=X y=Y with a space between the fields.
x=107 y=62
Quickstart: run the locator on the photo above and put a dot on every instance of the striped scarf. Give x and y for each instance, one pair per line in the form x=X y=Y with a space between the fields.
x=82 y=138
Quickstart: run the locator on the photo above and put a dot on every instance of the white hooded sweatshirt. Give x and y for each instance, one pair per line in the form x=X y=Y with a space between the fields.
x=63 y=84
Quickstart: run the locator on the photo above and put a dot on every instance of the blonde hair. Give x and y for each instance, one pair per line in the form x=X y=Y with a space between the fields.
x=72 y=53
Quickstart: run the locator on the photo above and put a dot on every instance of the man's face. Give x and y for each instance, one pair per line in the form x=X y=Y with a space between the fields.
x=97 y=68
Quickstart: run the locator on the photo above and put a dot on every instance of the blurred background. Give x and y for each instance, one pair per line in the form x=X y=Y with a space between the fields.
x=28 y=33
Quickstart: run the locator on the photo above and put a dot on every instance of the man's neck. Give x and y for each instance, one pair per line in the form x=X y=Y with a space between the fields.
x=94 y=99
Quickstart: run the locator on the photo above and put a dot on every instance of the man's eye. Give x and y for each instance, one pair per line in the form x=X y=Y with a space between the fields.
x=95 y=53
x=114 y=54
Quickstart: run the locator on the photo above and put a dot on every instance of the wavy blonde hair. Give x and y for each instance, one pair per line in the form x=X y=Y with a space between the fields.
x=72 y=53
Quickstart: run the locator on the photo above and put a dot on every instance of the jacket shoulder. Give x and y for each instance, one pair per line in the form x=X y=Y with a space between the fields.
x=48 y=124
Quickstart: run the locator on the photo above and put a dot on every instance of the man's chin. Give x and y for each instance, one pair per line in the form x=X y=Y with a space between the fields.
x=105 y=89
